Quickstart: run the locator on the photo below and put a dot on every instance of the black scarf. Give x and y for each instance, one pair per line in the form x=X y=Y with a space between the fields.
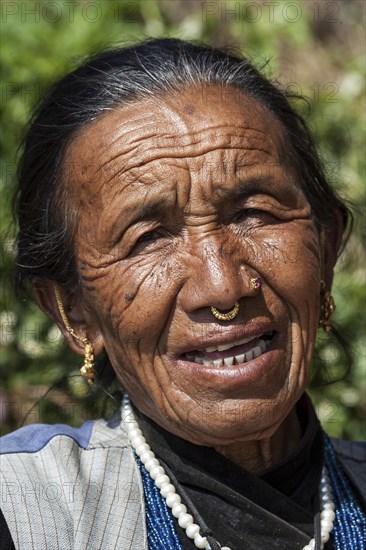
x=245 y=512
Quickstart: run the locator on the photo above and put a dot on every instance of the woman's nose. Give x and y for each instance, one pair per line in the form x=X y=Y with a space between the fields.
x=214 y=277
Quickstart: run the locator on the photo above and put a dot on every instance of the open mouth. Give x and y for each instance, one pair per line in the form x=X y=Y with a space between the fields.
x=233 y=353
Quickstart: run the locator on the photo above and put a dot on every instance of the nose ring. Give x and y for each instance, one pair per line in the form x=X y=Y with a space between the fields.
x=228 y=316
x=256 y=282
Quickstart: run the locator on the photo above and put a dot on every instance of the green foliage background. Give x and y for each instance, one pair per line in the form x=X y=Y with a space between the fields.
x=315 y=48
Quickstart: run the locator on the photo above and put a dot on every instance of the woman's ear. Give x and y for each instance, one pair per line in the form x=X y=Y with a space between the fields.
x=331 y=240
x=79 y=318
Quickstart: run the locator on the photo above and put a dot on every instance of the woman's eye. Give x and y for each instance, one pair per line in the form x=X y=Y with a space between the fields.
x=256 y=216
x=254 y=211
x=148 y=236
x=247 y=212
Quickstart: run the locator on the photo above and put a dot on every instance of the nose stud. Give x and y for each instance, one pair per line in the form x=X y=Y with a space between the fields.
x=256 y=282
x=228 y=316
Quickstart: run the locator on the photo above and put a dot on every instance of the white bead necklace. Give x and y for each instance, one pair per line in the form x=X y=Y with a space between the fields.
x=174 y=501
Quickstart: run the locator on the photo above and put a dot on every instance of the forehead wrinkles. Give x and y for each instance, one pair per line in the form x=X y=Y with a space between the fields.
x=127 y=164
x=123 y=141
x=194 y=144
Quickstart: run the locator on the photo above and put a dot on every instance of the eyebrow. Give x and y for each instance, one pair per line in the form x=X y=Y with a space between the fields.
x=151 y=209
x=157 y=207
x=244 y=189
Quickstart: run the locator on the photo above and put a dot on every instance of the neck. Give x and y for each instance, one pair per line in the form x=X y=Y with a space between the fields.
x=259 y=455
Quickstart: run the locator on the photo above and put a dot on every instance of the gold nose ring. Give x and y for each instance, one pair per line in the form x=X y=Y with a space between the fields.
x=228 y=316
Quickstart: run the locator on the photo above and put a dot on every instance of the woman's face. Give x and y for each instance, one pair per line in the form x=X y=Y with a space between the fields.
x=181 y=202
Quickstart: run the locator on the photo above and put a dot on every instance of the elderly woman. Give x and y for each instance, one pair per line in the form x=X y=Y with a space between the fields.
x=173 y=212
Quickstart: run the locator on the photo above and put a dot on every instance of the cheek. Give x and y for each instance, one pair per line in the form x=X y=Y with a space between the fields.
x=288 y=258
x=133 y=302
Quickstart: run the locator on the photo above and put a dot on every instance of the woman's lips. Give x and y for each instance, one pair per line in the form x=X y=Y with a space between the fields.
x=235 y=353
x=244 y=379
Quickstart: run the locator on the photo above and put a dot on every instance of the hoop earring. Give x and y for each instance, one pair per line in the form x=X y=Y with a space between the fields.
x=327 y=309
x=87 y=370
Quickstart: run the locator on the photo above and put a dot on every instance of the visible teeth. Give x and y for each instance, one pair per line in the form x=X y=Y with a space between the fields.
x=244 y=341
x=223 y=347
x=253 y=353
x=211 y=348
x=249 y=355
x=257 y=351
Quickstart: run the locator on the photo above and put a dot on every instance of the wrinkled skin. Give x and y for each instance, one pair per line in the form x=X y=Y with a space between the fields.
x=181 y=200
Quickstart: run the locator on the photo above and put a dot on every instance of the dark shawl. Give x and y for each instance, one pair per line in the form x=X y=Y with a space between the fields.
x=245 y=512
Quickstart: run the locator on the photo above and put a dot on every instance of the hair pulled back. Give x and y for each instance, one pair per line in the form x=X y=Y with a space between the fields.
x=154 y=67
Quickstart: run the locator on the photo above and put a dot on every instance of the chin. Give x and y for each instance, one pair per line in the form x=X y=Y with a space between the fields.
x=225 y=422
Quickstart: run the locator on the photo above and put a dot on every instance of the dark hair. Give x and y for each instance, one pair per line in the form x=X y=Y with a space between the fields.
x=117 y=77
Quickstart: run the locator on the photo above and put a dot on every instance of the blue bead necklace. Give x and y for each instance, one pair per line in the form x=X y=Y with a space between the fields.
x=161 y=533
x=349 y=524
x=349 y=532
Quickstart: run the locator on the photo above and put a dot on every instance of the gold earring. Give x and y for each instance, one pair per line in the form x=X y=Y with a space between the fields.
x=327 y=309
x=88 y=369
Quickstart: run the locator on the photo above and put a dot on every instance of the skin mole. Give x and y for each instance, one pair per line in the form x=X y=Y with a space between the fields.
x=189 y=109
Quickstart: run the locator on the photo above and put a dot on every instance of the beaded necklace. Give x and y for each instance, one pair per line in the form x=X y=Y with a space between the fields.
x=343 y=517
x=349 y=531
